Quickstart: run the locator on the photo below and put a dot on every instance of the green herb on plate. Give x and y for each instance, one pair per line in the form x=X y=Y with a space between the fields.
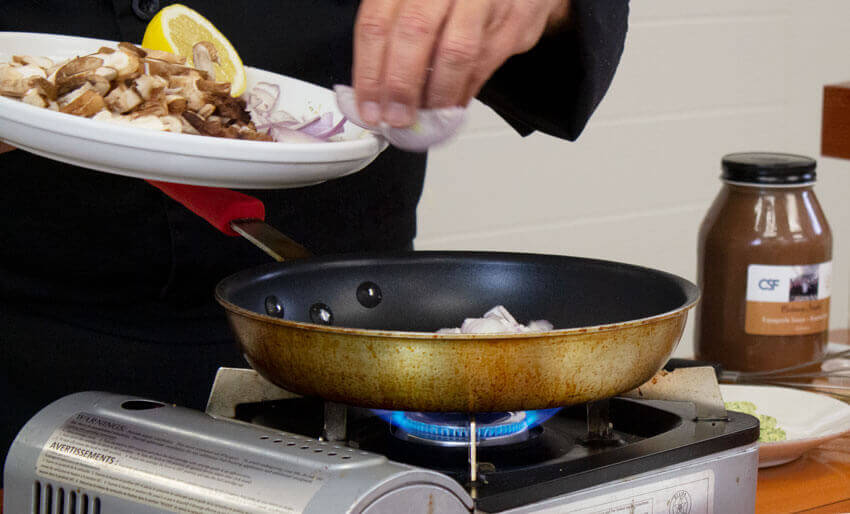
x=769 y=431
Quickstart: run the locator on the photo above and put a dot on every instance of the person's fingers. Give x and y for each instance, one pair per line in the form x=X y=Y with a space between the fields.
x=415 y=31
x=6 y=148
x=513 y=30
x=457 y=53
x=372 y=30
x=529 y=23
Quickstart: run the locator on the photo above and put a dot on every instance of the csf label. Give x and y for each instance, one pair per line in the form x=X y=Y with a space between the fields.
x=768 y=284
x=788 y=300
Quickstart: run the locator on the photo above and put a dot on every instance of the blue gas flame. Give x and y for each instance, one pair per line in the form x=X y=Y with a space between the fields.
x=456 y=429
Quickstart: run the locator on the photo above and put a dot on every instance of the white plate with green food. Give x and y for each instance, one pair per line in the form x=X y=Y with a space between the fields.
x=793 y=421
x=183 y=157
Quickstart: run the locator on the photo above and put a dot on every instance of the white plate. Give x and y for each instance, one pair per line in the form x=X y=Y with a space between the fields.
x=183 y=158
x=808 y=419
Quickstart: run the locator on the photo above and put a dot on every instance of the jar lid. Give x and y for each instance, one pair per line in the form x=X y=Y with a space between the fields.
x=768 y=168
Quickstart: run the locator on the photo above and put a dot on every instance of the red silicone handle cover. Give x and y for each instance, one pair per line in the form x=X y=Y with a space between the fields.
x=218 y=206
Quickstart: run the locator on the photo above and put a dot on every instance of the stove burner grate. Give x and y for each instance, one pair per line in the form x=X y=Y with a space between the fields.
x=452 y=429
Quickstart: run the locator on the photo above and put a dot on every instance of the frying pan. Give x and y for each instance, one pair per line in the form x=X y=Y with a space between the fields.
x=359 y=329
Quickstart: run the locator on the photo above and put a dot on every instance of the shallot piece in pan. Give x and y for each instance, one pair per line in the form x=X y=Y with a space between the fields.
x=497 y=321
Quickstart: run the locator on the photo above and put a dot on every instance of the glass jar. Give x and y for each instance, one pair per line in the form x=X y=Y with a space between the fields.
x=765 y=252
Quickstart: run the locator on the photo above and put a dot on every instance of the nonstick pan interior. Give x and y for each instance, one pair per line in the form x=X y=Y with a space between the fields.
x=425 y=291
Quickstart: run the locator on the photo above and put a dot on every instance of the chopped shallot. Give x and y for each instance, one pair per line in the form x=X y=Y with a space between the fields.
x=497 y=321
x=432 y=126
x=281 y=125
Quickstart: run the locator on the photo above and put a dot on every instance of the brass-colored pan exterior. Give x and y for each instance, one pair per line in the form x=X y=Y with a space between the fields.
x=469 y=373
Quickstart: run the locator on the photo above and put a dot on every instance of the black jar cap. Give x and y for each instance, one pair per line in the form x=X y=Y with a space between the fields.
x=768 y=168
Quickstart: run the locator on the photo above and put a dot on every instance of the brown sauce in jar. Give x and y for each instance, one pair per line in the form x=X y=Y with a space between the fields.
x=765 y=252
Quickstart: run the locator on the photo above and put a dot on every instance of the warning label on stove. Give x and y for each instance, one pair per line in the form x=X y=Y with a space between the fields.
x=162 y=469
x=689 y=494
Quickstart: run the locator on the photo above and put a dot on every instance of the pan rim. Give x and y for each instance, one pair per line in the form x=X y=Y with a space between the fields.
x=691 y=292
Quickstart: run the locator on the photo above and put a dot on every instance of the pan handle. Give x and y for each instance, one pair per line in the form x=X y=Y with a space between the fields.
x=218 y=206
x=234 y=214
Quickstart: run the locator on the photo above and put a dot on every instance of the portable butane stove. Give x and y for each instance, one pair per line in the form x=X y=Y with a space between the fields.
x=261 y=449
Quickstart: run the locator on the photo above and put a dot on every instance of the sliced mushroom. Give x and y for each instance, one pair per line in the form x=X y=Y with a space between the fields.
x=34 y=97
x=172 y=124
x=148 y=122
x=187 y=87
x=201 y=125
x=42 y=62
x=249 y=132
x=149 y=85
x=204 y=55
x=212 y=127
x=134 y=86
x=206 y=111
x=211 y=86
x=75 y=68
x=33 y=89
x=233 y=108
x=95 y=79
x=107 y=73
x=72 y=83
x=31 y=71
x=176 y=104
x=133 y=49
x=144 y=85
x=100 y=84
x=167 y=70
x=12 y=82
x=44 y=88
x=125 y=63
x=123 y=99
x=188 y=128
x=105 y=115
x=51 y=72
x=168 y=57
x=150 y=108
x=15 y=80
x=86 y=104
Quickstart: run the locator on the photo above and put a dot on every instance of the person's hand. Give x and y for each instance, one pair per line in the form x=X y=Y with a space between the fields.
x=5 y=148
x=411 y=54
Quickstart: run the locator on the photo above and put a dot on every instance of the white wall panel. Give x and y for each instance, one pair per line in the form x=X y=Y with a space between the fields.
x=617 y=168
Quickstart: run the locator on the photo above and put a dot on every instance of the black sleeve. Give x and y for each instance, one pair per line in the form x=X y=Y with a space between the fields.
x=556 y=86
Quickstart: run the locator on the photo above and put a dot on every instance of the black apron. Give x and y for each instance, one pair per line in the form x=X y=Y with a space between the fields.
x=106 y=284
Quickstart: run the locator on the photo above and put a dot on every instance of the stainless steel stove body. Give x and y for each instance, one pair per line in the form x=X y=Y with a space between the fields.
x=120 y=454
x=93 y=453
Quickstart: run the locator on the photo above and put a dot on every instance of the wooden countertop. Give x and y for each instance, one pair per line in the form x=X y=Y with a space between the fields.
x=818 y=482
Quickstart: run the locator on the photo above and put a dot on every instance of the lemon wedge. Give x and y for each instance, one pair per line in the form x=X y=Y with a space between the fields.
x=177 y=28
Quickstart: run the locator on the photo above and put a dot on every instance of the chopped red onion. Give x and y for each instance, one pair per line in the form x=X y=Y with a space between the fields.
x=336 y=129
x=263 y=98
x=318 y=124
x=286 y=135
x=262 y=102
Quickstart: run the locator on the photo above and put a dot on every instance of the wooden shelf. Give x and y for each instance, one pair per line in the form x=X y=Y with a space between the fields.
x=835 y=129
